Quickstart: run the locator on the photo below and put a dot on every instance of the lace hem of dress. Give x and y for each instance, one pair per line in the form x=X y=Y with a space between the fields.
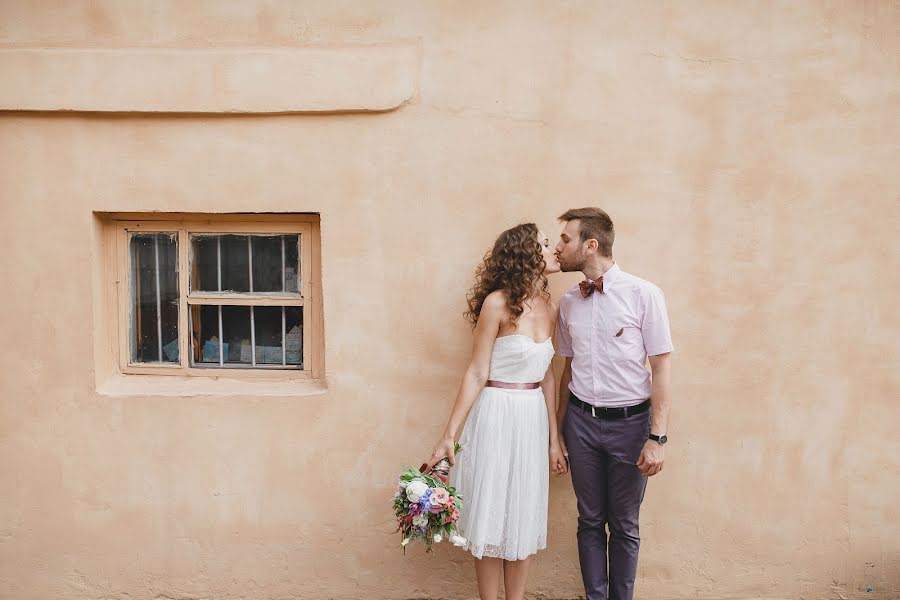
x=500 y=551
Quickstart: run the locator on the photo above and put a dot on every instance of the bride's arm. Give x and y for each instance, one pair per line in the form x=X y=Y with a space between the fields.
x=548 y=385
x=486 y=330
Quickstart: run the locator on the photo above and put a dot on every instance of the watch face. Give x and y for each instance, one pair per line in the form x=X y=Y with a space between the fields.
x=663 y=439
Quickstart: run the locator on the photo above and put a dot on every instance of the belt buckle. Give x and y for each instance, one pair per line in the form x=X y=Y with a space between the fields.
x=593 y=410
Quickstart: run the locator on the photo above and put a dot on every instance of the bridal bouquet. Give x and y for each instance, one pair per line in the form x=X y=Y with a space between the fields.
x=426 y=506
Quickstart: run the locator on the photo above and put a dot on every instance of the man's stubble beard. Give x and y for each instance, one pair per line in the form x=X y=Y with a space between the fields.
x=577 y=264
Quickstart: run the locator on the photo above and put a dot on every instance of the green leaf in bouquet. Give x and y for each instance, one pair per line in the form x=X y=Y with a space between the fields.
x=409 y=474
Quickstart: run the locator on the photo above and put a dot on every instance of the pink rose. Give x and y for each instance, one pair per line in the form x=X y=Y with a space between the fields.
x=440 y=496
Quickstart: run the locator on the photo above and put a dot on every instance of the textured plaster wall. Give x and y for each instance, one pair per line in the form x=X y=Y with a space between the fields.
x=748 y=153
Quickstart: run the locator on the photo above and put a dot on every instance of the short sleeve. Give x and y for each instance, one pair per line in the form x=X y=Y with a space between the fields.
x=563 y=339
x=655 y=323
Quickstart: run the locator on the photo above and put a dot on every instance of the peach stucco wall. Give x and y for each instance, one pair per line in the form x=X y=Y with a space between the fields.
x=747 y=151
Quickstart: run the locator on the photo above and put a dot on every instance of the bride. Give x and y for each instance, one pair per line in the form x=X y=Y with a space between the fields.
x=510 y=436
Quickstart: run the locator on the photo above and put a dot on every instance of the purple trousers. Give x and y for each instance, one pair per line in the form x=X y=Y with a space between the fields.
x=609 y=488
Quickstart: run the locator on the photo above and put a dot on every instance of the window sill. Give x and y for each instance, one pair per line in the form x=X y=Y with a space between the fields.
x=119 y=386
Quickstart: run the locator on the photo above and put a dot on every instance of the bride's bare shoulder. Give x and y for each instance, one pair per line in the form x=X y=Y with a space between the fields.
x=496 y=301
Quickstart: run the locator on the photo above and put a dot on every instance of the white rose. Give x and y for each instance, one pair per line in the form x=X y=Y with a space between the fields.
x=457 y=540
x=415 y=489
x=421 y=521
x=404 y=542
x=437 y=538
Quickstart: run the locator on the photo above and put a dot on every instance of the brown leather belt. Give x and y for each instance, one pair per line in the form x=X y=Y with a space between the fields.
x=512 y=386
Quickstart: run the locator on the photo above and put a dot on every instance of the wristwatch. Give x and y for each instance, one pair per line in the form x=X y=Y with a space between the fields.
x=660 y=439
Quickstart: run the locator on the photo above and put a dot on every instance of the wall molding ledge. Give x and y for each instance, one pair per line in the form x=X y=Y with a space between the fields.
x=356 y=79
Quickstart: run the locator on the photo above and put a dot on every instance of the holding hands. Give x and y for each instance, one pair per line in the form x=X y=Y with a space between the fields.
x=559 y=456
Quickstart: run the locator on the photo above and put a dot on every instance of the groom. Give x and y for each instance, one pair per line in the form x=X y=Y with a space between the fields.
x=613 y=416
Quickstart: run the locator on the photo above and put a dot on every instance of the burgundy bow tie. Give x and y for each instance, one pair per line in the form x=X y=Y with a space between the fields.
x=587 y=286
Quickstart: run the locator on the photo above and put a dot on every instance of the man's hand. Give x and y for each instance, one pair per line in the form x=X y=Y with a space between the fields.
x=653 y=455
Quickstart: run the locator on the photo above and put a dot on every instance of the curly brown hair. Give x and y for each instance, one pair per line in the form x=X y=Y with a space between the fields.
x=515 y=264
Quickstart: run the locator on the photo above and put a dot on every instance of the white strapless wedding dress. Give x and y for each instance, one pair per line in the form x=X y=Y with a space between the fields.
x=502 y=472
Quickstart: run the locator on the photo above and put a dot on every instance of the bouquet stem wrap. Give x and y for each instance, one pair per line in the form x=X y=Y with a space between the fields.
x=442 y=469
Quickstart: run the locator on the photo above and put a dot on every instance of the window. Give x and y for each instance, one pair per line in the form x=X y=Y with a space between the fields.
x=208 y=297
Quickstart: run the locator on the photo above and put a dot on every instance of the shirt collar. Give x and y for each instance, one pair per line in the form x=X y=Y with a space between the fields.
x=612 y=274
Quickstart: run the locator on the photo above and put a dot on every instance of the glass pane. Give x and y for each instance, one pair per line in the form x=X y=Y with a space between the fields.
x=267 y=320
x=205 y=263
x=278 y=342
x=276 y=263
x=236 y=333
x=293 y=317
x=292 y=263
x=235 y=263
x=267 y=271
x=154 y=294
x=205 y=334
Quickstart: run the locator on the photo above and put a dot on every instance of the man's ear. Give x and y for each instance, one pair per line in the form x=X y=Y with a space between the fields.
x=592 y=245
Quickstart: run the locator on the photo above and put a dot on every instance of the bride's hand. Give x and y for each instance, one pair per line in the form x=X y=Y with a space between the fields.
x=443 y=449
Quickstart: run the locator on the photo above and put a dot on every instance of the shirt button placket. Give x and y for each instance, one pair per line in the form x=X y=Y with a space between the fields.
x=603 y=343
x=595 y=345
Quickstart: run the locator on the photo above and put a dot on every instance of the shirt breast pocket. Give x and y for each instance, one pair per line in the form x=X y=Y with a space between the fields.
x=626 y=343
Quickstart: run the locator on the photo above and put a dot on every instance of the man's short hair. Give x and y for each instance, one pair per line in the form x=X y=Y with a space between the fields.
x=594 y=224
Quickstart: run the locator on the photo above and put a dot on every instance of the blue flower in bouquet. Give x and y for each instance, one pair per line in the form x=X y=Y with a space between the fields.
x=425 y=500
